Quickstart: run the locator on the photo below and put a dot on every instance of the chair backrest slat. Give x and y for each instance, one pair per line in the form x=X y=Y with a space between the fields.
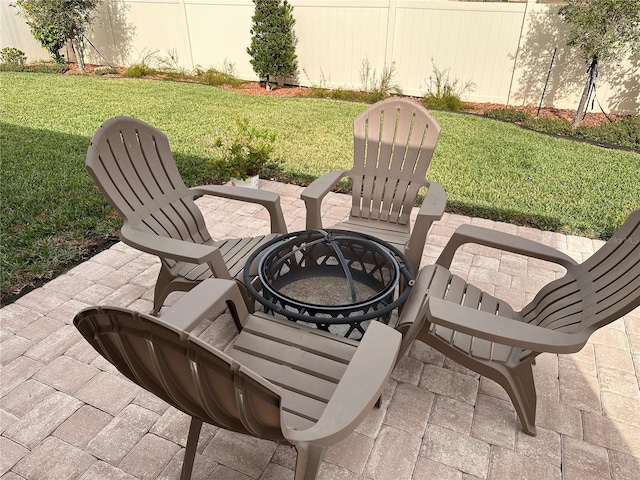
x=132 y=164
x=187 y=373
x=600 y=290
x=394 y=142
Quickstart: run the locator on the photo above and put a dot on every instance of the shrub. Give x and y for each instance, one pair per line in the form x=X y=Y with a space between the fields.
x=245 y=153
x=551 y=125
x=105 y=71
x=145 y=66
x=624 y=132
x=444 y=92
x=273 y=43
x=12 y=56
x=13 y=67
x=54 y=22
x=376 y=89
x=217 y=78
x=507 y=114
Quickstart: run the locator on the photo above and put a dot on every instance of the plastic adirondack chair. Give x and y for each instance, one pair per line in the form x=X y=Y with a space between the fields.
x=486 y=335
x=280 y=380
x=131 y=162
x=393 y=142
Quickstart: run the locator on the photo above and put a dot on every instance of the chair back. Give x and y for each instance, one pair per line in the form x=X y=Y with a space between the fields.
x=595 y=293
x=394 y=141
x=131 y=162
x=185 y=372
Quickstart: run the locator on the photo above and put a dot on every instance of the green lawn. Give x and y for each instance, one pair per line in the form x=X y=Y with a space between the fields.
x=51 y=214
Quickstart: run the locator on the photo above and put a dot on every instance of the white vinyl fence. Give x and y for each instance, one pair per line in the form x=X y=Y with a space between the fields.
x=504 y=49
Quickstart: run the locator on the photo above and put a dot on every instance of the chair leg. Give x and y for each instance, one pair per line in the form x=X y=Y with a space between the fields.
x=190 y=451
x=519 y=384
x=161 y=291
x=308 y=461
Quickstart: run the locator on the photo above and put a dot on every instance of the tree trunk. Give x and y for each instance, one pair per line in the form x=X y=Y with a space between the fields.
x=77 y=47
x=267 y=85
x=592 y=72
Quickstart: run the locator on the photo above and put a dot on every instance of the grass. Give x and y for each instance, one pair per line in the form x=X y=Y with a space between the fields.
x=52 y=215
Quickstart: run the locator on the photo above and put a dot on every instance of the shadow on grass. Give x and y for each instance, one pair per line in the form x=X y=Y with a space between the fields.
x=52 y=216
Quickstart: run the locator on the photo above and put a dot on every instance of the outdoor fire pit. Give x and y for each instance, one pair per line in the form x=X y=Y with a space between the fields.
x=337 y=280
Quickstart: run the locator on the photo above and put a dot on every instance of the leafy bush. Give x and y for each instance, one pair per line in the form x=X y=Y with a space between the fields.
x=13 y=56
x=444 y=92
x=273 y=42
x=245 y=153
x=508 y=114
x=105 y=71
x=624 y=132
x=138 y=70
x=217 y=78
x=551 y=125
x=54 y=22
x=13 y=67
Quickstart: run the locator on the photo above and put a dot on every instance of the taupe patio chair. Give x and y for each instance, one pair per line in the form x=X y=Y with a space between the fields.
x=279 y=381
x=393 y=143
x=484 y=334
x=132 y=164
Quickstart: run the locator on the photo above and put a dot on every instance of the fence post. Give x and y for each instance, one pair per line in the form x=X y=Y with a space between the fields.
x=391 y=32
x=188 y=33
x=515 y=59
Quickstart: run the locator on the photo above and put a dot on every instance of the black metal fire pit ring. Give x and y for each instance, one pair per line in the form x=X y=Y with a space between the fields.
x=378 y=306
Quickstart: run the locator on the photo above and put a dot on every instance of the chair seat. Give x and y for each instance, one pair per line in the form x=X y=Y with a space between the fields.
x=394 y=234
x=295 y=358
x=447 y=286
x=235 y=252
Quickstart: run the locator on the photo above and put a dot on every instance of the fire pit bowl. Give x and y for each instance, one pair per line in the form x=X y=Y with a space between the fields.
x=337 y=280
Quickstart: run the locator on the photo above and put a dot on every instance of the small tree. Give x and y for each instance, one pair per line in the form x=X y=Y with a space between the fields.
x=273 y=42
x=600 y=29
x=54 y=22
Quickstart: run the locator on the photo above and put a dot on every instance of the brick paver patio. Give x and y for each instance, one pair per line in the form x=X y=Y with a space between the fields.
x=66 y=413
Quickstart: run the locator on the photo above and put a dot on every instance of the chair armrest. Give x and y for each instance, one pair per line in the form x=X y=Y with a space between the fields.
x=174 y=249
x=500 y=329
x=358 y=390
x=210 y=297
x=503 y=241
x=315 y=192
x=432 y=209
x=269 y=200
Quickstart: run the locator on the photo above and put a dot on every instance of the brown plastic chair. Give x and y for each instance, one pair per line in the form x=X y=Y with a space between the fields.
x=279 y=381
x=393 y=144
x=131 y=162
x=486 y=335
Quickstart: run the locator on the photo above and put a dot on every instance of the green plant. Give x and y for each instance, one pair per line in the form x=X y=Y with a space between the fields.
x=600 y=30
x=507 y=114
x=624 y=132
x=555 y=126
x=245 y=153
x=217 y=78
x=375 y=88
x=273 y=42
x=443 y=92
x=48 y=68
x=170 y=66
x=13 y=56
x=145 y=67
x=105 y=71
x=54 y=22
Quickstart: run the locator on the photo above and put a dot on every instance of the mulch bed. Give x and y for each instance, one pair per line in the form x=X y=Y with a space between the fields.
x=257 y=88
